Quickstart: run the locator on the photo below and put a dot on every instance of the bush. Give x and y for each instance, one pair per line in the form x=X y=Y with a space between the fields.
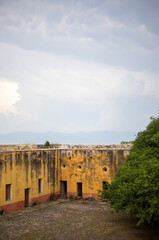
x=135 y=188
x=47 y=144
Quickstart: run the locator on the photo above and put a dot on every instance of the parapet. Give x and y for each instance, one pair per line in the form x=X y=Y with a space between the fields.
x=31 y=147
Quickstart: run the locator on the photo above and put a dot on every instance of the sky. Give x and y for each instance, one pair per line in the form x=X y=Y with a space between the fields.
x=83 y=65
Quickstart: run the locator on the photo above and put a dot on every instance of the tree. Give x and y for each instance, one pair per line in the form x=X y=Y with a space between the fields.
x=47 y=144
x=135 y=189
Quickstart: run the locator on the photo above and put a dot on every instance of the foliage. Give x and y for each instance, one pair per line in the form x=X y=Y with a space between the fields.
x=47 y=144
x=124 y=142
x=135 y=188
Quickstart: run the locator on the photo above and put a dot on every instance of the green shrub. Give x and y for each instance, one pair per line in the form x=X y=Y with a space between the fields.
x=135 y=188
x=47 y=144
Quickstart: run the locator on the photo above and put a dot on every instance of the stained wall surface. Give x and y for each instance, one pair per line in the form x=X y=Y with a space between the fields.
x=91 y=168
x=27 y=177
x=22 y=170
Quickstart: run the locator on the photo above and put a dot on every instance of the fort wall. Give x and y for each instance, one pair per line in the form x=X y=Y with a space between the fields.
x=37 y=175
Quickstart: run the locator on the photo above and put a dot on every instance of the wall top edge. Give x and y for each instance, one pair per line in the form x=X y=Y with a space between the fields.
x=40 y=147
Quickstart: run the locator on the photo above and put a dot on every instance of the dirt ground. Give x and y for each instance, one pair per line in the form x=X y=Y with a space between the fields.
x=72 y=220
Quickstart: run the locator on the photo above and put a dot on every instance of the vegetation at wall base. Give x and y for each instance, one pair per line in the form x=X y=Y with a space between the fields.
x=135 y=189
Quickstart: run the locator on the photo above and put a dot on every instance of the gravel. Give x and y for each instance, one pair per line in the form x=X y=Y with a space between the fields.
x=72 y=220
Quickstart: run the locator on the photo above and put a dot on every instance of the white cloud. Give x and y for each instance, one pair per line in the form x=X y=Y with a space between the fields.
x=51 y=86
x=83 y=64
x=85 y=31
x=63 y=77
x=9 y=96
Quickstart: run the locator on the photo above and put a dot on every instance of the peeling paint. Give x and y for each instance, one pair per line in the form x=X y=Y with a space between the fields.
x=84 y=165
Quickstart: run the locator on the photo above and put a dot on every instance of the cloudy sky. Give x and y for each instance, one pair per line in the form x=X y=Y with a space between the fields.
x=79 y=65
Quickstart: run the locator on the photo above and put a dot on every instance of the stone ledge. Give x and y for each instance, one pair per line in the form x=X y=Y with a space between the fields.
x=35 y=147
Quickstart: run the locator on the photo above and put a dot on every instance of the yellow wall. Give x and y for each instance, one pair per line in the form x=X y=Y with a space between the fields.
x=90 y=167
x=22 y=169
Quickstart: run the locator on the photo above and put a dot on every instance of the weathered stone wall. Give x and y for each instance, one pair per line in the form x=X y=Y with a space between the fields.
x=66 y=166
x=23 y=169
x=91 y=167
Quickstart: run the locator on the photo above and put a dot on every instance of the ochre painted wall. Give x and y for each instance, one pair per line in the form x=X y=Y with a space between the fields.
x=89 y=167
x=23 y=169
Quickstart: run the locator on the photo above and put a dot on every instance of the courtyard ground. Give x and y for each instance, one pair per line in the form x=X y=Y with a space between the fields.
x=72 y=220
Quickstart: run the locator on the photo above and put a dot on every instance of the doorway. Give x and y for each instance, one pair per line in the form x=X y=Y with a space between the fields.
x=63 y=189
x=79 y=189
x=27 y=197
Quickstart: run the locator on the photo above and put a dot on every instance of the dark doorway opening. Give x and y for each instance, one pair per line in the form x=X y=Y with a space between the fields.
x=27 y=197
x=105 y=187
x=63 y=189
x=40 y=185
x=8 y=192
x=79 y=189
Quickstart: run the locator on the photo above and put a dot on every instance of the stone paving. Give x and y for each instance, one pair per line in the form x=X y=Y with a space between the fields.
x=72 y=220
